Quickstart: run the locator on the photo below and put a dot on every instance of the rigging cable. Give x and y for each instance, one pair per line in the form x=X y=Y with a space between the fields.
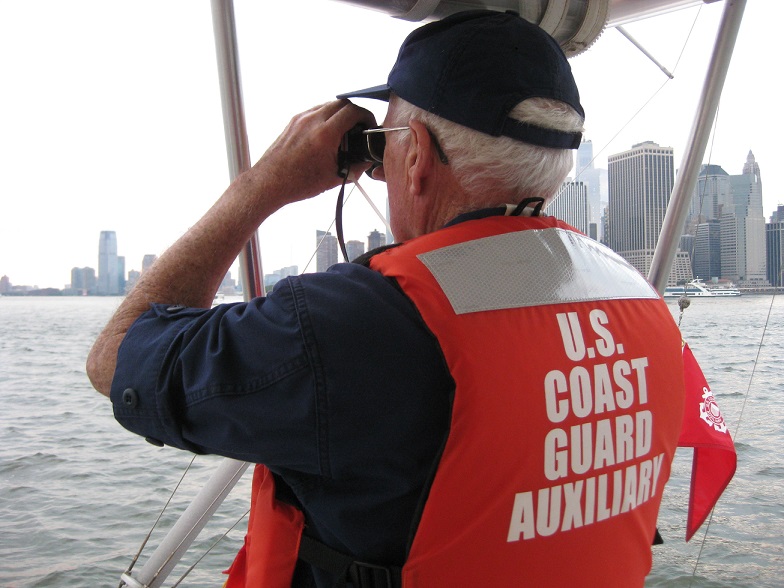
x=357 y=185
x=157 y=520
x=704 y=187
x=155 y=524
x=737 y=426
x=648 y=101
x=756 y=360
x=204 y=514
x=324 y=236
x=684 y=302
x=215 y=543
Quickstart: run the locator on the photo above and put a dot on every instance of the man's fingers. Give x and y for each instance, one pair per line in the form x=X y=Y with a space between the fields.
x=330 y=109
x=351 y=115
x=303 y=159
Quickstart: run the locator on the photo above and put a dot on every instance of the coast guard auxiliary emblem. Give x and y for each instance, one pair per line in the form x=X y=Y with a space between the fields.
x=710 y=413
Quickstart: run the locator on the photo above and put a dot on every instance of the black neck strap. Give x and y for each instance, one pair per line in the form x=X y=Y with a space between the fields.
x=537 y=202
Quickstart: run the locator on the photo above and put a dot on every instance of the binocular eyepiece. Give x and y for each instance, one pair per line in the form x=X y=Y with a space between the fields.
x=355 y=147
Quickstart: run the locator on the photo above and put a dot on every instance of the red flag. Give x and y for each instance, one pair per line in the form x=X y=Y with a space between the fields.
x=714 y=453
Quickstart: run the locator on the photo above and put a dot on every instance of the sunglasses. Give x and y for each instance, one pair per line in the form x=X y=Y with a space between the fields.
x=369 y=144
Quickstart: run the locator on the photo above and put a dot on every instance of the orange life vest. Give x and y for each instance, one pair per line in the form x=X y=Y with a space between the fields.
x=271 y=546
x=567 y=408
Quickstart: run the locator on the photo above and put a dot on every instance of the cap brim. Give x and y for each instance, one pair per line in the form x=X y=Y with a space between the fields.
x=376 y=92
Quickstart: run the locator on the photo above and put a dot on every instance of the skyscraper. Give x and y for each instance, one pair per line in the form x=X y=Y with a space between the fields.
x=571 y=205
x=640 y=184
x=774 y=247
x=389 y=237
x=743 y=228
x=108 y=267
x=133 y=277
x=375 y=240
x=706 y=260
x=121 y=274
x=595 y=181
x=147 y=261
x=83 y=280
x=712 y=195
x=327 y=250
x=271 y=279
x=729 y=227
x=354 y=249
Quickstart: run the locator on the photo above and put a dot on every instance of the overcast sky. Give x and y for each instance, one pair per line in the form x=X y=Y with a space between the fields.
x=111 y=117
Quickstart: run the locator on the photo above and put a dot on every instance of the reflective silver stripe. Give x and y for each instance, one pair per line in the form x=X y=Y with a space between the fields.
x=531 y=268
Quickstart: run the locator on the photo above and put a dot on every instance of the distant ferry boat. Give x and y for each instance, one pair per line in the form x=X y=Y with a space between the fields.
x=698 y=289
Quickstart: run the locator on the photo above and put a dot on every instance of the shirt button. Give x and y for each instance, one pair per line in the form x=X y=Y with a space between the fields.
x=175 y=308
x=130 y=398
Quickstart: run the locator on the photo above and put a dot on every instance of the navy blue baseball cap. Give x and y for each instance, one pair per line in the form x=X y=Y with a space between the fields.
x=473 y=67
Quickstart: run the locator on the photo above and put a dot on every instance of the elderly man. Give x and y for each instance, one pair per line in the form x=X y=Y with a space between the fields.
x=495 y=401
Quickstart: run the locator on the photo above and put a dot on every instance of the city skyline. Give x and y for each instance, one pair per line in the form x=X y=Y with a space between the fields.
x=572 y=205
x=724 y=237
x=140 y=149
x=111 y=275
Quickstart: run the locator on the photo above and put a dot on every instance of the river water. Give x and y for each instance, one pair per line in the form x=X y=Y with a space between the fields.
x=78 y=493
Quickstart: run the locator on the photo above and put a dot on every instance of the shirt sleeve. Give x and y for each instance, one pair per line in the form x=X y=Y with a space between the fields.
x=286 y=380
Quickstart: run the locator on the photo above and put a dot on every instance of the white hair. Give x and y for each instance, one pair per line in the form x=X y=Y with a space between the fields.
x=500 y=170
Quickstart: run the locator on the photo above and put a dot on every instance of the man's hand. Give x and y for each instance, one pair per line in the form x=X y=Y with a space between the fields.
x=303 y=159
x=300 y=164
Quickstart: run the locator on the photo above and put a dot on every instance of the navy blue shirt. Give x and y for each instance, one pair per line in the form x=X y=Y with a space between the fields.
x=332 y=381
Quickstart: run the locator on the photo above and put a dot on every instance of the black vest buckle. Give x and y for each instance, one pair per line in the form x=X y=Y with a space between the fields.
x=365 y=575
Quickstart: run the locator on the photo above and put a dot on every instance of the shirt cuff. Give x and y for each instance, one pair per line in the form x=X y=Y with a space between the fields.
x=144 y=399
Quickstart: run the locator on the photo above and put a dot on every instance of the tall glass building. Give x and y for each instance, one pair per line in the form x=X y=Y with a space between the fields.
x=595 y=181
x=640 y=183
x=743 y=228
x=712 y=196
x=108 y=265
x=571 y=206
x=376 y=240
x=774 y=236
x=326 y=250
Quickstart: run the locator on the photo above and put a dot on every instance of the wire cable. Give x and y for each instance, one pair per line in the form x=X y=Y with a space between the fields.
x=211 y=547
x=157 y=520
x=737 y=426
x=648 y=101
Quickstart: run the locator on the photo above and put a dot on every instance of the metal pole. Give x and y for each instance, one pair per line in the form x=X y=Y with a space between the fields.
x=672 y=227
x=229 y=471
x=644 y=51
x=188 y=526
x=234 y=128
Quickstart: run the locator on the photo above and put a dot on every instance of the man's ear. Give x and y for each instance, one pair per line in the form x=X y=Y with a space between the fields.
x=420 y=159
